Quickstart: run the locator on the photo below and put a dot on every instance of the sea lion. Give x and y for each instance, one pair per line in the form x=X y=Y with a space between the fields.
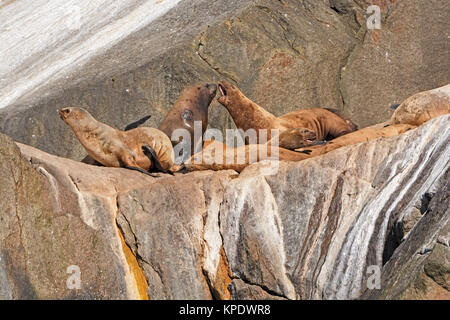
x=89 y=160
x=423 y=107
x=141 y=149
x=192 y=105
x=327 y=123
x=382 y=130
x=218 y=156
x=214 y=156
x=296 y=138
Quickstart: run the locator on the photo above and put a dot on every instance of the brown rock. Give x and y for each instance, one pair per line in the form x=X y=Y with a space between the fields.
x=53 y=219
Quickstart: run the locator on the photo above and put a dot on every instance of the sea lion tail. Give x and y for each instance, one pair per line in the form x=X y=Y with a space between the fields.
x=395 y=106
x=136 y=124
x=353 y=125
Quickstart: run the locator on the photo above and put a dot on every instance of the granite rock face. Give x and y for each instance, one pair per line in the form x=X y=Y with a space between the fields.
x=367 y=221
x=56 y=225
x=284 y=55
x=420 y=267
x=407 y=55
x=315 y=229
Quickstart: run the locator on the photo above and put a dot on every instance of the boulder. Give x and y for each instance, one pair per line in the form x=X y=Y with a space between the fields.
x=284 y=55
x=58 y=222
x=321 y=228
x=420 y=267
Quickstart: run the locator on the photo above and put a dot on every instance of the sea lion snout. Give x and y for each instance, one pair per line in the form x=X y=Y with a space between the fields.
x=212 y=87
x=225 y=89
x=64 y=113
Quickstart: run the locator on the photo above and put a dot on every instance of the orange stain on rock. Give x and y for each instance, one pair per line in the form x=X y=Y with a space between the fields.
x=223 y=277
x=135 y=270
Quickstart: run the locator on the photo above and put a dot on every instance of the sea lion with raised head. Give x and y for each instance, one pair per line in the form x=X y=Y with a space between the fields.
x=192 y=105
x=89 y=160
x=142 y=149
x=326 y=123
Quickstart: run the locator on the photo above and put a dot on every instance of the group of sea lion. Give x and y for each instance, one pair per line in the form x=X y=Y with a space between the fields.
x=303 y=133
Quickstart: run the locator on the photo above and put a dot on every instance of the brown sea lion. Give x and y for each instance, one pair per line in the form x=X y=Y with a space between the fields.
x=141 y=149
x=192 y=105
x=383 y=130
x=89 y=160
x=214 y=156
x=218 y=156
x=296 y=138
x=423 y=106
x=326 y=123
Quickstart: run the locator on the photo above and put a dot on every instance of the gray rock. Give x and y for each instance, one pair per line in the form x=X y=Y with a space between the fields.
x=407 y=55
x=50 y=221
x=315 y=229
x=420 y=268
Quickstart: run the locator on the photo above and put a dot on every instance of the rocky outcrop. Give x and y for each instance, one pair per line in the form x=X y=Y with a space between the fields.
x=420 y=267
x=56 y=225
x=314 y=229
x=284 y=55
x=407 y=55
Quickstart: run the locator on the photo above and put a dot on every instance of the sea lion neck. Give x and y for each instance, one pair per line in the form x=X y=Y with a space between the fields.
x=243 y=109
x=89 y=127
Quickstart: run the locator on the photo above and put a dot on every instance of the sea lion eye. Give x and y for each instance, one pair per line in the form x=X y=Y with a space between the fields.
x=66 y=111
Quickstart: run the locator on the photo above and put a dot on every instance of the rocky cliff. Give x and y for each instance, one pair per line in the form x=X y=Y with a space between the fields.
x=122 y=60
x=366 y=221
x=315 y=229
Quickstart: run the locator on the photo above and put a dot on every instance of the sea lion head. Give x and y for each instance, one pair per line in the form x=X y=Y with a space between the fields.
x=229 y=93
x=297 y=138
x=201 y=94
x=307 y=134
x=76 y=117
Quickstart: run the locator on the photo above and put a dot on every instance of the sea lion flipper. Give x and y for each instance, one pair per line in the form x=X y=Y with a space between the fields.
x=137 y=123
x=319 y=143
x=308 y=152
x=151 y=154
x=142 y=171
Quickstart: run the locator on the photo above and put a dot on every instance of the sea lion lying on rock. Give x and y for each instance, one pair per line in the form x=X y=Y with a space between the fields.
x=423 y=106
x=326 y=123
x=89 y=160
x=218 y=156
x=363 y=135
x=141 y=149
x=214 y=156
